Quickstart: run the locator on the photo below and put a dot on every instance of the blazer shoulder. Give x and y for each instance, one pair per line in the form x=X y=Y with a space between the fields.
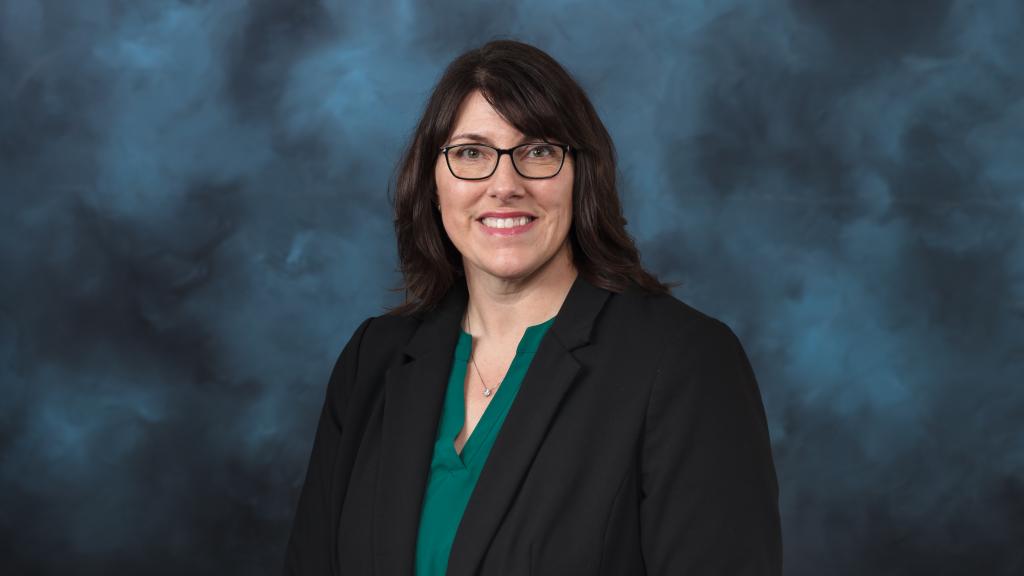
x=387 y=333
x=670 y=316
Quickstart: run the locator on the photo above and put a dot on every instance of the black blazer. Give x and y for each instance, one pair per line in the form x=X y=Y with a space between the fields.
x=637 y=444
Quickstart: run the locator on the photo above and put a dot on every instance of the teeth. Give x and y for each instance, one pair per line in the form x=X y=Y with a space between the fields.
x=506 y=222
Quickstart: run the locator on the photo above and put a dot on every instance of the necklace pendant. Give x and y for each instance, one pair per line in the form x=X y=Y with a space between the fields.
x=487 y=391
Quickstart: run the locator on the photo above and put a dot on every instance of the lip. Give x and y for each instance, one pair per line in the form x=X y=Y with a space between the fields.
x=505 y=215
x=506 y=232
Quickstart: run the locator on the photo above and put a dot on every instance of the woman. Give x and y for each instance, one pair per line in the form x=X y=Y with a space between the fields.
x=540 y=404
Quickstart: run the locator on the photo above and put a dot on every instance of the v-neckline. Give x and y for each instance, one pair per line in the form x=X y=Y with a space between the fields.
x=528 y=342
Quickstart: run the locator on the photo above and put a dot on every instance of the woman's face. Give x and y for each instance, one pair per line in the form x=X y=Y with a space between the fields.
x=486 y=250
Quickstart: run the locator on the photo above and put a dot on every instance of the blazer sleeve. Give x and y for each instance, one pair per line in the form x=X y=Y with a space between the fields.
x=709 y=493
x=311 y=544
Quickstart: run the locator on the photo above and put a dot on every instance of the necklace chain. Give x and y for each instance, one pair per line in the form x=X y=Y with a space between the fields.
x=472 y=358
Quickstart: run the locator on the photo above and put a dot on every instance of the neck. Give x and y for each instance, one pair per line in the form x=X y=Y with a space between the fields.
x=501 y=309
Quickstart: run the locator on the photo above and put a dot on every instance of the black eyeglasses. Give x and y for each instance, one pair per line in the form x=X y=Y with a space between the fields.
x=533 y=160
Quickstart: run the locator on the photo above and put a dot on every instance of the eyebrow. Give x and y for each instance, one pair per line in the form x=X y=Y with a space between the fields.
x=486 y=140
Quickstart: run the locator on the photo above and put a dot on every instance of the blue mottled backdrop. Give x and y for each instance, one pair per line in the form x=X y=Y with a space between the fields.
x=195 y=218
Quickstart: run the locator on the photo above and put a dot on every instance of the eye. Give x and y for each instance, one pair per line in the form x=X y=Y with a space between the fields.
x=541 y=151
x=468 y=152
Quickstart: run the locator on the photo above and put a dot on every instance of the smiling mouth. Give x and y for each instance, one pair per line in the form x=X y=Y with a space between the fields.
x=506 y=223
x=507 y=227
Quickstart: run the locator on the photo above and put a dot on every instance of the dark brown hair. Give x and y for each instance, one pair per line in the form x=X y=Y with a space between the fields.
x=534 y=93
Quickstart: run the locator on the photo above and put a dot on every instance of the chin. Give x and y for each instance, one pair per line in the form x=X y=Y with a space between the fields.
x=510 y=271
x=511 y=266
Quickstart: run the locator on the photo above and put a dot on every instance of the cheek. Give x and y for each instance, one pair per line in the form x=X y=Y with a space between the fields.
x=565 y=205
x=446 y=184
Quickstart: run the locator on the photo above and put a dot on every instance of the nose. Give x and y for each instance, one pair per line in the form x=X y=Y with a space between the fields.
x=505 y=181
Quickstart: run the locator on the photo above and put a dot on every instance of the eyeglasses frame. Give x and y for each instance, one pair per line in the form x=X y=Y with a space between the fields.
x=566 y=149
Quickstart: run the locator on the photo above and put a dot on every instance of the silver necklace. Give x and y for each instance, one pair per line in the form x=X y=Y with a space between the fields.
x=487 y=391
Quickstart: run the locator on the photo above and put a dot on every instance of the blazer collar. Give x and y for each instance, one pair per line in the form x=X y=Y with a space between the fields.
x=413 y=399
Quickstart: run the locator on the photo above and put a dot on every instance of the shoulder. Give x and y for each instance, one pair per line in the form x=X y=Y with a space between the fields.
x=382 y=335
x=701 y=366
x=673 y=321
x=372 y=343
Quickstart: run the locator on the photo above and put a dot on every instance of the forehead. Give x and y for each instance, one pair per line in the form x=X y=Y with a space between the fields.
x=476 y=115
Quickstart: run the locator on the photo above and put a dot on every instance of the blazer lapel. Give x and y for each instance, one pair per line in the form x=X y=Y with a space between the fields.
x=548 y=378
x=413 y=400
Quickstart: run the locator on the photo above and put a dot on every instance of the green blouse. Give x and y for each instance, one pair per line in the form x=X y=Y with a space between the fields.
x=453 y=475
